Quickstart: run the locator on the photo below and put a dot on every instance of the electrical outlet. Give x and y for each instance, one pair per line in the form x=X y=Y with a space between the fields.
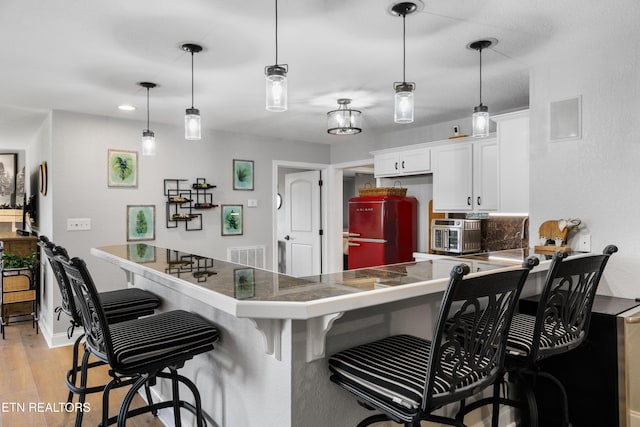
x=252 y=203
x=78 y=224
x=584 y=243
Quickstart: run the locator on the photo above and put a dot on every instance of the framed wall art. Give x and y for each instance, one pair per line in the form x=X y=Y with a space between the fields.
x=123 y=168
x=244 y=283
x=8 y=165
x=141 y=222
x=231 y=220
x=243 y=174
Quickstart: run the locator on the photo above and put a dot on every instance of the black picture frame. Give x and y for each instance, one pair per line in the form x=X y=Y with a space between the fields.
x=8 y=169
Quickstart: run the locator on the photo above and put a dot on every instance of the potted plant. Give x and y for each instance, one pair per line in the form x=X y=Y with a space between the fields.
x=16 y=261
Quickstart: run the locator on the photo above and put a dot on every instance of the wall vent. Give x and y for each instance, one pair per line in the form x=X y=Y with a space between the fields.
x=253 y=256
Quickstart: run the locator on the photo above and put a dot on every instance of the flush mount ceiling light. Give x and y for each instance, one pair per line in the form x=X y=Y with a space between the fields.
x=344 y=120
x=480 y=121
x=192 y=126
x=276 y=83
x=403 y=110
x=148 y=137
x=126 y=107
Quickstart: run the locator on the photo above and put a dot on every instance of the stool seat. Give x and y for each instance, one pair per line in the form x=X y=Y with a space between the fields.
x=156 y=341
x=126 y=304
x=520 y=340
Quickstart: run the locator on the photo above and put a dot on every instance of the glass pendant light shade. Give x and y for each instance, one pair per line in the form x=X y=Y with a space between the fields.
x=403 y=111
x=148 y=143
x=403 y=105
x=480 y=118
x=148 y=137
x=344 y=120
x=276 y=86
x=480 y=121
x=192 y=127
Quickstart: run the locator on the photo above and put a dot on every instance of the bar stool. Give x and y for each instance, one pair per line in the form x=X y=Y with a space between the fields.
x=407 y=378
x=139 y=350
x=119 y=305
x=560 y=325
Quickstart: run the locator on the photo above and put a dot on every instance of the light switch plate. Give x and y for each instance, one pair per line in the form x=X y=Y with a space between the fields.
x=78 y=224
x=252 y=203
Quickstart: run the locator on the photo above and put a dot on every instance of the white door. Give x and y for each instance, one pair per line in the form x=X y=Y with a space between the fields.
x=302 y=223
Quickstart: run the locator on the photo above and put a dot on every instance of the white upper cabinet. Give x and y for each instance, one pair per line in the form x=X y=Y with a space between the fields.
x=399 y=161
x=513 y=161
x=465 y=176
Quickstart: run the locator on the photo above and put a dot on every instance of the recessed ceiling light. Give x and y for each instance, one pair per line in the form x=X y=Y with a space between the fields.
x=126 y=107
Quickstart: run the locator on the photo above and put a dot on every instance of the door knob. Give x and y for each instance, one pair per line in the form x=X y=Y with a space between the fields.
x=287 y=237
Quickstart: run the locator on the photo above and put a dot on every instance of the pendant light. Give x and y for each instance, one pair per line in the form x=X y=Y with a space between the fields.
x=192 y=126
x=148 y=137
x=403 y=110
x=480 y=120
x=344 y=120
x=276 y=82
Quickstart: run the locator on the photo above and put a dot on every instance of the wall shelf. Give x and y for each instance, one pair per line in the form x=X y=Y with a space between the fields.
x=181 y=202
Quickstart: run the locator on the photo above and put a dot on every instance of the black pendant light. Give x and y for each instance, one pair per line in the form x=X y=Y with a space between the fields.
x=276 y=82
x=480 y=119
x=148 y=137
x=192 y=125
x=403 y=106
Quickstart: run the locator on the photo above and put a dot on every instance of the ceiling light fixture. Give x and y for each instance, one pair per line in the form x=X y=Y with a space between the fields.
x=403 y=110
x=126 y=107
x=276 y=83
x=148 y=137
x=344 y=120
x=480 y=121
x=192 y=126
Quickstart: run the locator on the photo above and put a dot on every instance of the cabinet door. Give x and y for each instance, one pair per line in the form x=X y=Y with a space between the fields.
x=485 y=180
x=513 y=153
x=386 y=164
x=415 y=161
x=453 y=178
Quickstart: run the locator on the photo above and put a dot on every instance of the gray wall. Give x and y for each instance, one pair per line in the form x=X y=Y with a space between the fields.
x=78 y=171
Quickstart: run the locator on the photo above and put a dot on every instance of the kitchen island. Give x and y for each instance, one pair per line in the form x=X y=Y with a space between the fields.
x=269 y=367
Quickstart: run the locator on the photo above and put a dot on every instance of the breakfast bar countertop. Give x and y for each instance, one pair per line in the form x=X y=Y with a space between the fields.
x=255 y=293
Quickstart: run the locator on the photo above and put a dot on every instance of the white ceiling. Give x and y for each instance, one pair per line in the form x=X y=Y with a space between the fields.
x=87 y=55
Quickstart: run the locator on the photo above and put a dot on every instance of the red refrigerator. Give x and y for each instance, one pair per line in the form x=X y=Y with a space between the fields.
x=382 y=230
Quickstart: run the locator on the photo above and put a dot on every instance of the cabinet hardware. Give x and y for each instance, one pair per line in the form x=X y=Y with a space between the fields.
x=403 y=164
x=396 y=166
x=469 y=200
x=479 y=201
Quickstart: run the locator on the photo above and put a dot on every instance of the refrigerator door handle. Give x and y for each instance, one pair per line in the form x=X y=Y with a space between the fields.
x=353 y=234
x=364 y=239
x=353 y=244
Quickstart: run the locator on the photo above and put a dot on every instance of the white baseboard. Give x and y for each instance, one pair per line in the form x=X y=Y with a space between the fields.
x=58 y=339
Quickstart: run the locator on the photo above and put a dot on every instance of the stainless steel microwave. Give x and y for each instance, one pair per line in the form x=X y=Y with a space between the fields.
x=458 y=236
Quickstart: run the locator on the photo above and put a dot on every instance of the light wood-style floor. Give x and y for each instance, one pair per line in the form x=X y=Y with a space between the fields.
x=33 y=375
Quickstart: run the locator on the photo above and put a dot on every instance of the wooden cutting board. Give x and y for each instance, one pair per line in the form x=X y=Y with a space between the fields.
x=551 y=230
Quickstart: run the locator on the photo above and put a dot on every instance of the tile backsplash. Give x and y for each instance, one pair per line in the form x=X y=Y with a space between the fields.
x=508 y=232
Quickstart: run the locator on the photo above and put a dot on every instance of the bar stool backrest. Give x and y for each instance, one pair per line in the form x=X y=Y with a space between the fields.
x=564 y=310
x=469 y=342
x=96 y=328
x=67 y=304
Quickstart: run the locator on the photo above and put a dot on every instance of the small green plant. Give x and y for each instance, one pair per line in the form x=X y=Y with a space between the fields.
x=16 y=261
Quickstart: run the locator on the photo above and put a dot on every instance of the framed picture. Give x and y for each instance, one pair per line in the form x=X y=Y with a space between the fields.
x=123 y=168
x=141 y=253
x=231 y=220
x=141 y=222
x=8 y=162
x=243 y=174
x=244 y=283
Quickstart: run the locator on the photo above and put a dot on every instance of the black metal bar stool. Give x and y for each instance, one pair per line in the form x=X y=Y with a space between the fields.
x=407 y=378
x=119 y=305
x=560 y=325
x=139 y=350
